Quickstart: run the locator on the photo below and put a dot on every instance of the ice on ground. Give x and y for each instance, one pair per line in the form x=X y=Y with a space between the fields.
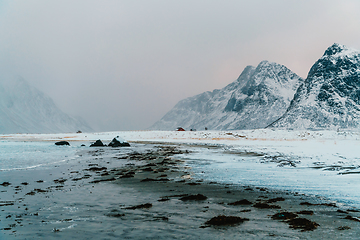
x=322 y=163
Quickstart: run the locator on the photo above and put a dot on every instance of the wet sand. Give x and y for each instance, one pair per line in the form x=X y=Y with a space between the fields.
x=146 y=192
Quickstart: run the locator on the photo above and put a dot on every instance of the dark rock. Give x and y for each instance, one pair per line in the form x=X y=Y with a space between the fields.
x=328 y=204
x=77 y=179
x=306 y=212
x=36 y=190
x=318 y=204
x=193 y=184
x=98 y=143
x=117 y=143
x=162 y=218
x=164 y=199
x=127 y=175
x=222 y=220
x=60 y=180
x=342 y=228
x=62 y=143
x=115 y=215
x=246 y=210
x=103 y=180
x=197 y=197
x=96 y=169
x=241 y=202
x=141 y=206
x=275 y=200
x=352 y=218
x=148 y=169
x=5 y=184
x=265 y=205
x=6 y=204
x=40 y=190
x=303 y=224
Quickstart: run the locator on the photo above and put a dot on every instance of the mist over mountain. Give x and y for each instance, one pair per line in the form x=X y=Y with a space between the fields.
x=256 y=99
x=330 y=95
x=25 y=109
x=270 y=95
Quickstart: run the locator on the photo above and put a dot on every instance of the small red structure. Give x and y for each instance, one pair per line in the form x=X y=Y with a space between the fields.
x=180 y=129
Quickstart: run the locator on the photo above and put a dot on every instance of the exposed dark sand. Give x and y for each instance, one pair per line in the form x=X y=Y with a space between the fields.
x=147 y=193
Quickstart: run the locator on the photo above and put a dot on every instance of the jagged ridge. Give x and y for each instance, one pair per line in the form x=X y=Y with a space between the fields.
x=257 y=98
x=330 y=95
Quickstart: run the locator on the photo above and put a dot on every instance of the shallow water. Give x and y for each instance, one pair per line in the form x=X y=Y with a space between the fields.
x=314 y=168
x=57 y=209
x=26 y=155
x=76 y=208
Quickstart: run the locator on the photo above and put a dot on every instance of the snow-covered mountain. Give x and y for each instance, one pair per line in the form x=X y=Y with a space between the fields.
x=257 y=98
x=330 y=95
x=24 y=109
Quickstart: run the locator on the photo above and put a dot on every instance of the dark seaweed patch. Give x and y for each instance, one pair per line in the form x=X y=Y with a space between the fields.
x=222 y=220
x=241 y=202
x=303 y=224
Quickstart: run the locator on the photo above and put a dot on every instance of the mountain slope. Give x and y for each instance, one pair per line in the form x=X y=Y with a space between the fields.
x=257 y=98
x=24 y=109
x=330 y=95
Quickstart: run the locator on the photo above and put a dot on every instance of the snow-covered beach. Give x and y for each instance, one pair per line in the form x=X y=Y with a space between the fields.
x=50 y=181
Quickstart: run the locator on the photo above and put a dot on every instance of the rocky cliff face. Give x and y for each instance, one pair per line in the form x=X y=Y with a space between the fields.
x=330 y=96
x=256 y=99
x=24 y=109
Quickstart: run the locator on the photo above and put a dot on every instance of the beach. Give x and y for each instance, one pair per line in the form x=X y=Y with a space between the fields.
x=148 y=191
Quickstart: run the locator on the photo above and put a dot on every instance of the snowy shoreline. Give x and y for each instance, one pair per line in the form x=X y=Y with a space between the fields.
x=96 y=193
x=312 y=162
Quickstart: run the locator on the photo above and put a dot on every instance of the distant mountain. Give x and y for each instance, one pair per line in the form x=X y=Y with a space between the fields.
x=330 y=95
x=256 y=99
x=24 y=109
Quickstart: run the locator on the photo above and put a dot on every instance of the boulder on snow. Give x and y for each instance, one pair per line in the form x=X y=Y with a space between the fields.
x=98 y=143
x=62 y=143
x=117 y=143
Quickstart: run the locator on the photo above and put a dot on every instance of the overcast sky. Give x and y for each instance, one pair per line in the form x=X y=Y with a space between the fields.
x=121 y=65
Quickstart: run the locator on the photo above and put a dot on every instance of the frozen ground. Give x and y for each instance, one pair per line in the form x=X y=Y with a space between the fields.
x=322 y=163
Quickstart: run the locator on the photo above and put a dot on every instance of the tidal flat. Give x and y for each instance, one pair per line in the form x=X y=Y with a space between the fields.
x=147 y=191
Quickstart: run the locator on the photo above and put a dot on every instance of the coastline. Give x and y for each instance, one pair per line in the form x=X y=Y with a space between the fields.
x=136 y=193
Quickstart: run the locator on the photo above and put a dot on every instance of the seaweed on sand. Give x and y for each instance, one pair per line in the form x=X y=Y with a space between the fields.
x=223 y=220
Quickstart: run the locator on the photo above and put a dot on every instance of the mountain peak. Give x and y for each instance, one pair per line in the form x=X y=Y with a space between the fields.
x=337 y=50
x=257 y=98
x=25 y=109
x=334 y=49
x=329 y=97
x=266 y=64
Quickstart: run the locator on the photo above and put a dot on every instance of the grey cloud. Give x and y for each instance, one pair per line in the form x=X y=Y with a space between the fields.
x=123 y=64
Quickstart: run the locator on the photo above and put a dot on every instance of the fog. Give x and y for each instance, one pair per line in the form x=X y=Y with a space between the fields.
x=121 y=65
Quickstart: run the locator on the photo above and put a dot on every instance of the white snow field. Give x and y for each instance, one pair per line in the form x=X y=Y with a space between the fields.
x=323 y=163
